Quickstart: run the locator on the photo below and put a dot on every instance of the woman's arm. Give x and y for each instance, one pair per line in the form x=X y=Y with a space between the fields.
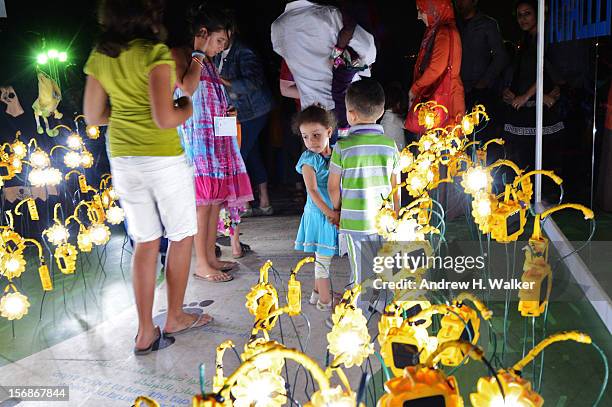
x=166 y=114
x=289 y=89
x=95 y=103
x=310 y=180
x=437 y=64
x=188 y=71
x=520 y=100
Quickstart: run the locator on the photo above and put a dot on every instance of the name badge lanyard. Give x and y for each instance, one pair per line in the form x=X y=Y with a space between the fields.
x=216 y=84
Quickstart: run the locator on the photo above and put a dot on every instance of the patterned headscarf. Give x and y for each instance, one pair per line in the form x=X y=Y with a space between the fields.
x=439 y=13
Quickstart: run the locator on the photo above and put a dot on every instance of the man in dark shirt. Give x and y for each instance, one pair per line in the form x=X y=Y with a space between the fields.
x=484 y=56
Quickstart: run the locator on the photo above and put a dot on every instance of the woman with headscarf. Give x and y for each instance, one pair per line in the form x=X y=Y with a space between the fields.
x=438 y=64
x=437 y=77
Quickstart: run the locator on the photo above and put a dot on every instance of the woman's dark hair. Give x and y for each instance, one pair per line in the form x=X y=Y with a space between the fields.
x=396 y=98
x=532 y=3
x=314 y=114
x=211 y=17
x=125 y=20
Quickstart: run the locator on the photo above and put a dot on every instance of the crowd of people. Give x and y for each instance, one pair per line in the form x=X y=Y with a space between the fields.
x=185 y=122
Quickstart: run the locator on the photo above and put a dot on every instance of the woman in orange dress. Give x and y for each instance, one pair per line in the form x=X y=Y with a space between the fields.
x=440 y=51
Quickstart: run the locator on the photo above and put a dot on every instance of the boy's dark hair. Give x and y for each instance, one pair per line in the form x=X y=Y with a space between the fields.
x=125 y=20
x=313 y=114
x=211 y=17
x=366 y=97
x=396 y=98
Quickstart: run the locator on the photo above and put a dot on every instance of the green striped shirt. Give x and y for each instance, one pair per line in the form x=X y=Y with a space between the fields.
x=366 y=160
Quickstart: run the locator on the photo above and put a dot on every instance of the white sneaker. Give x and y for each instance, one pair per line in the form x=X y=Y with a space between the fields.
x=324 y=307
x=314 y=298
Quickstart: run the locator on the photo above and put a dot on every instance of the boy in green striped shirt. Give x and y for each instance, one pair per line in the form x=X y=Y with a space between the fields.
x=362 y=171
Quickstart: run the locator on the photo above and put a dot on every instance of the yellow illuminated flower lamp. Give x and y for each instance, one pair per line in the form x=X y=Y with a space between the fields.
x=525 y=192
x=57 y=234
x=481 y=153
x=84 y=241
x=12 y=245
x=87 y=160
x=93 y=132
x=349 y=336
x=115 y=215
x=536 y=270
x=13 y=304
x=429 y=114
x=65 y=258
x=516 y=390
x=19 y=148
x=262 y=299
x=425 y=385
x=269 y=363
x=477 y=179
x=459 y=322
x=472 y=119
x=72 y=159
x=219 y=379
x=264 y=388
x=294 y=289
x=403 y=344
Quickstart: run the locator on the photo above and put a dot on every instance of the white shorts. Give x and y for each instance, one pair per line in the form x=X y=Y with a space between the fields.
x=157 y=195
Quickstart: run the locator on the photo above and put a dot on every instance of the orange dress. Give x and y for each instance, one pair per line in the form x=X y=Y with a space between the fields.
x=446 y=51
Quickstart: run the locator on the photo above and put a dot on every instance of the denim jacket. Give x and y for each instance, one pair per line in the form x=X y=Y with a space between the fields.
x=249 y=92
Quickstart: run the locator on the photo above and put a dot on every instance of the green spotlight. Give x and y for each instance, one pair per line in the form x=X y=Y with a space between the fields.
x=42 y=59
x=62 y=56
x=52 y=53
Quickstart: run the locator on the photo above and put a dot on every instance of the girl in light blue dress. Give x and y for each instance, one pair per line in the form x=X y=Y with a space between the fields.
x=318 y=231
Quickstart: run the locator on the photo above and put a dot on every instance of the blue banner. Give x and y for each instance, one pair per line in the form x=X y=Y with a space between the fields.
x=579 y=19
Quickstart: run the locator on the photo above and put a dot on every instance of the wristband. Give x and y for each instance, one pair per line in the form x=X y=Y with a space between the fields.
x=198 y=53
x=198 y=61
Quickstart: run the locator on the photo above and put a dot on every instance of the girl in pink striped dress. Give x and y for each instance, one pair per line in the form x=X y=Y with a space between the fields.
x=221 y=180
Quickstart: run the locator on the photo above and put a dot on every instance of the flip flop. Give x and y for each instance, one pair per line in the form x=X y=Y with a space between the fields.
x=230 y=265
x=244 y=250
x=161 y=342
x=191 y=327
x=226 y=278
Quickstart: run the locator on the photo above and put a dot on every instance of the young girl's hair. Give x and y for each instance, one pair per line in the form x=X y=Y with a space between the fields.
x=396 y=99
x=314 y=114
x=125 y=20
x=212 y=18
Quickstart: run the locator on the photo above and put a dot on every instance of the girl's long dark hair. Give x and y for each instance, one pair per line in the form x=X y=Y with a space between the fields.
x=212 y=17
x=125 y=20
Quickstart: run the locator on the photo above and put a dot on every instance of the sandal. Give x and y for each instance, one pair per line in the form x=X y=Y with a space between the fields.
x=244 y=250
x=229 y=266
x=214 y=278
x=263 y=211
x=191 y=327
x=160 y=342
x=217 y=251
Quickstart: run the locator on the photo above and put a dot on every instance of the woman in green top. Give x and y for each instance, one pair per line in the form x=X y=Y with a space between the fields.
x=133 y=69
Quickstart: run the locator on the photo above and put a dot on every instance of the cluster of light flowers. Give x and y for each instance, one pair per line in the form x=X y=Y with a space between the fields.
x=100 y=209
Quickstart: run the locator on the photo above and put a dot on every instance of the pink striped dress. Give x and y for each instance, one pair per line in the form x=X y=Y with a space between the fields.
x=220 y=173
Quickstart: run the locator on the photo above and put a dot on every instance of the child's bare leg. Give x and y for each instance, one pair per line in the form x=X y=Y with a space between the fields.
x=324 y=288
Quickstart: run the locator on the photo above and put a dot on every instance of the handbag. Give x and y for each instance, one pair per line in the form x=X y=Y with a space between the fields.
x=440 y=92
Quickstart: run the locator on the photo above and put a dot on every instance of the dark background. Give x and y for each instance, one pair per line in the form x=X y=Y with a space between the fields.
x=72 y=26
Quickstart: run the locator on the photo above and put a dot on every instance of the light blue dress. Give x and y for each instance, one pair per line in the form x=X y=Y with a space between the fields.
x=316 y=234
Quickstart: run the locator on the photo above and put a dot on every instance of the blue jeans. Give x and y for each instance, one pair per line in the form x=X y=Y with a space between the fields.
x=249 y=149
